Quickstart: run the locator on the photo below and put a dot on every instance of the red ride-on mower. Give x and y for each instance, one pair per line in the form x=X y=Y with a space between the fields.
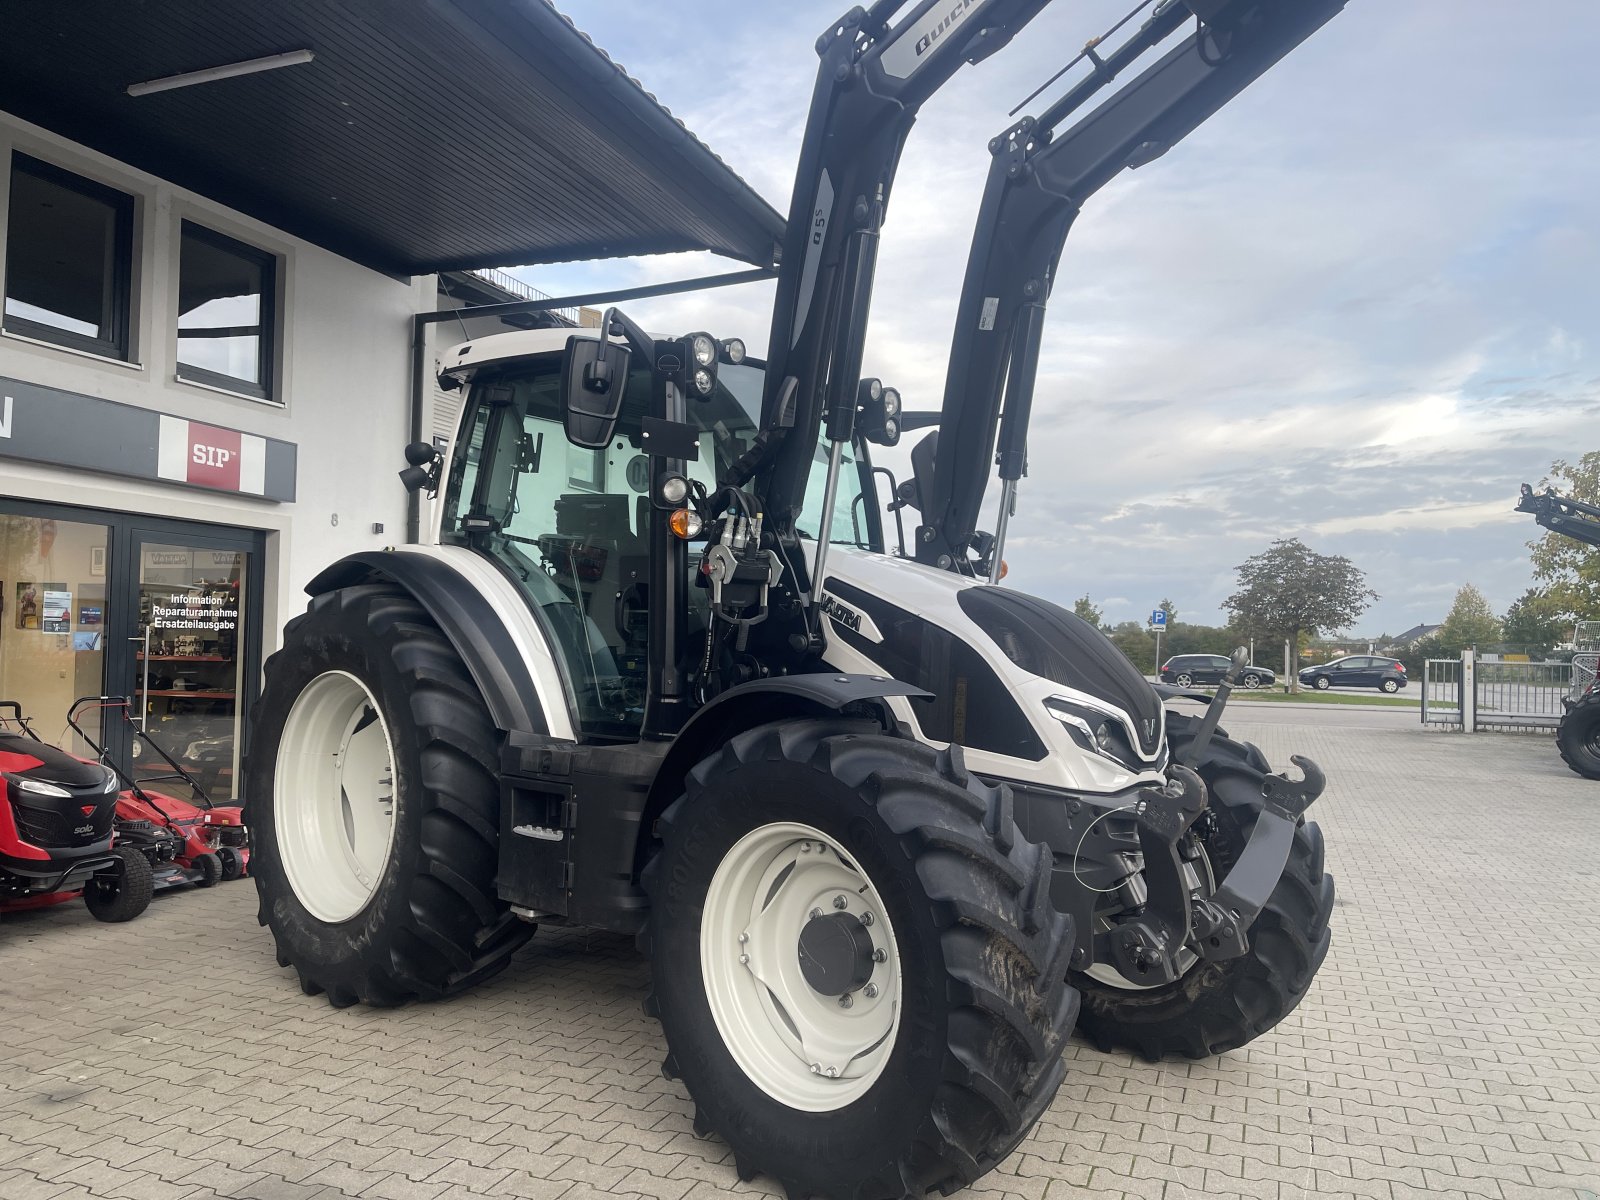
x=206 y=843
x=57 y=828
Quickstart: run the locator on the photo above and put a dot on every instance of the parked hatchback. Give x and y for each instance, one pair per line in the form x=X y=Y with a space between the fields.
x=1358 y=670
x=1190 y=670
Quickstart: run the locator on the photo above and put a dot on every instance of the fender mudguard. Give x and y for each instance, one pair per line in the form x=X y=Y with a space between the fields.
x=756 y=703
x=469 y=620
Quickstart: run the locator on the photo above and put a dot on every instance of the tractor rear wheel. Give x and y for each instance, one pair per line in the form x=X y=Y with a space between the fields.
x=374 y=806
x=1220 y=1005
x=856 y=963
x=1578 y=736
x=120 y=893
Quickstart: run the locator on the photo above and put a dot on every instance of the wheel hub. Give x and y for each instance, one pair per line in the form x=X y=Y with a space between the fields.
x=835 y=953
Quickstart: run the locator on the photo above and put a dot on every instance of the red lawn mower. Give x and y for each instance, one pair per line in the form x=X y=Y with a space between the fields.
x=206 y=843
x=58 y=834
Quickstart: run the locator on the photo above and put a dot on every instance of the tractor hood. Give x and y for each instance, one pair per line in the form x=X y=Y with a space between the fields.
x=1012 y=675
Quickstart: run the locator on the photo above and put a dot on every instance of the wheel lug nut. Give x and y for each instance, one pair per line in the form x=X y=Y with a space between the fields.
x=880 y=955
x=867 y=918
x=816 y=1068
x=743 y=938
x=833 y=1072
x=840 y=902
x=871 y=991
x=744 y=958
x=805 y=847
x=815 y=913
x=845 y=1001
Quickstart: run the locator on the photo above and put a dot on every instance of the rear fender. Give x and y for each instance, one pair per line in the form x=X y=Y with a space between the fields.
x=467 y=617
x=785 y=697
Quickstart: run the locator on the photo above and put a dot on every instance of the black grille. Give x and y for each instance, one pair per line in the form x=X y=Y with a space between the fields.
x=62 y=822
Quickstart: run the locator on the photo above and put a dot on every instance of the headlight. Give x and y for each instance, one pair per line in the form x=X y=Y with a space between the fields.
x=733 y=350
x=40 y=788
x=674 y=488
x=703 y=383
x=703 y=349
x=891 y=402
x=1097 y=732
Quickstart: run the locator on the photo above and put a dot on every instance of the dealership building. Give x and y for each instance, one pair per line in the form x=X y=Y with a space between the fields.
x=222 y=232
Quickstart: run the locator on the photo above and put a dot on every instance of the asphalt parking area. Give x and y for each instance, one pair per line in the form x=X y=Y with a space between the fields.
x=1448 y=1047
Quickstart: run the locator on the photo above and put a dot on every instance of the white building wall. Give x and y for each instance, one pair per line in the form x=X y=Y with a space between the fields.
x=343 y=381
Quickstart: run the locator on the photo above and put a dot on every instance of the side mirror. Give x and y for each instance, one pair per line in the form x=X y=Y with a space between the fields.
x=594 y=376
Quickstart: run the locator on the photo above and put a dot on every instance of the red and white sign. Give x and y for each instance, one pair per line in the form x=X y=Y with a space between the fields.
x=224 y=460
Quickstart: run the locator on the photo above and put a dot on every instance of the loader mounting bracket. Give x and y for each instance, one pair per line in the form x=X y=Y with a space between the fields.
x=1146 y=947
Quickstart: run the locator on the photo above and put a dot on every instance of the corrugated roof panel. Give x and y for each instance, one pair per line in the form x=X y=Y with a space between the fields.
x=424 y=136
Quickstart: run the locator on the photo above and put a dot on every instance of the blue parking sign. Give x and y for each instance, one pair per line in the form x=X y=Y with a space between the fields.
x=1159 y=618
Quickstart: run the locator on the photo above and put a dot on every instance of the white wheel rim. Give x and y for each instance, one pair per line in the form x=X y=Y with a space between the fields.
x=333 y=796
x=803 y=1048
x=1252 y=681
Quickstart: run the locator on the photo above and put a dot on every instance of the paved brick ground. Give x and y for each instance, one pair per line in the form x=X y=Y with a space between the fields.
x=1447 y=1048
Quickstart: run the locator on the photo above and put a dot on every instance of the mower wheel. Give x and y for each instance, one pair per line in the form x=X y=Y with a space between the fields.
x=210 y=868
x=232 y=863
x=1578 y=736
x=375 y=806
x=1220 y=1005
x=855 y=961
x=120 y=893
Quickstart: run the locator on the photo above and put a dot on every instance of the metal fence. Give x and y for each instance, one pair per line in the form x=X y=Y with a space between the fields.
x=1498 y=695
x=1441 y=691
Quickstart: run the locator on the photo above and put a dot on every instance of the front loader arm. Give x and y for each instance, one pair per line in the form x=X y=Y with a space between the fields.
x=871 y=81
x=1038 y=181
x=1562 y=514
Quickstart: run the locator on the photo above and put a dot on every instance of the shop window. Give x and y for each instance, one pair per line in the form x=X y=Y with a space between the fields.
x=69 y=259
x=226 y=296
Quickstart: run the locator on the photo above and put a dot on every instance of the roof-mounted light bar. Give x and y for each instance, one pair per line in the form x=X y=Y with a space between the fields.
x=271 y=62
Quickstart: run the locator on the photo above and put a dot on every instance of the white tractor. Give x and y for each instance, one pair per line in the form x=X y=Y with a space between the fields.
x=880 y=825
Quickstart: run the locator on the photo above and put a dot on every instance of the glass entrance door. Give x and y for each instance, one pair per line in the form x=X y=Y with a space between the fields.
x=189 y=673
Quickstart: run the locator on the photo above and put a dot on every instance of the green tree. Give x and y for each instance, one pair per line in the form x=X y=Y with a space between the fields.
x=1290 y=589
x=1471 y=621
x=1172 y=613
x=1534 y=621
x=1136 y=644
x=1570 y=570
x=1083 y=608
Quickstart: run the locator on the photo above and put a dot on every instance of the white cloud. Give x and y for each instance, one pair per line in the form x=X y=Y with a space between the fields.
x=1352 y=307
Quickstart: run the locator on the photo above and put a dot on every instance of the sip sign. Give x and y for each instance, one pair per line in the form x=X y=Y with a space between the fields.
x=1158 y=619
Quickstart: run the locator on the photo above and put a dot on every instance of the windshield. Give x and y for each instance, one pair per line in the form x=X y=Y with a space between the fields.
x=571 y=525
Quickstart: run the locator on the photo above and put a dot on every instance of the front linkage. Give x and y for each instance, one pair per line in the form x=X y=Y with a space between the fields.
x=1136 y=879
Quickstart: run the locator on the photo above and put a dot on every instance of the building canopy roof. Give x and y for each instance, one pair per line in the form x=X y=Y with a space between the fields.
x=423 y=136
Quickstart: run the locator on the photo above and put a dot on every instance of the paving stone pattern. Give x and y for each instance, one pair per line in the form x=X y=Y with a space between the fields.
x=1448 y=1047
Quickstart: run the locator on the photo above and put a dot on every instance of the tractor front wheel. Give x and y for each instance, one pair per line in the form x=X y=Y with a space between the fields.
x=856 y=963
x=374 y=806
x=1578 y=736
x=1220 y=1005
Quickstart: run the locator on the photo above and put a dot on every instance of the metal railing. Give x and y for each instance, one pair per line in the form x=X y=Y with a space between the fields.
x=1474 y=694
x=1441 y=691
x=510 y=284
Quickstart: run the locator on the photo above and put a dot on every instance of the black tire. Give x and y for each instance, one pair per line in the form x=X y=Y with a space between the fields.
x=210 y=868
x=1219 y=1006
x=120 y=893
x=232 y=863
x=1578 y=736
x=1321 y=682
x=986 y=1006
x=434 y=925
x=1390 y=685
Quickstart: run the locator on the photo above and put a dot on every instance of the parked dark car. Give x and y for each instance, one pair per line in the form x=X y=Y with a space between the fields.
x=1190 y=670
x=1357 y=670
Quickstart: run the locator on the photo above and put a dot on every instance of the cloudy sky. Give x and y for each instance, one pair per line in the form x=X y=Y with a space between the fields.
x=1356 y=307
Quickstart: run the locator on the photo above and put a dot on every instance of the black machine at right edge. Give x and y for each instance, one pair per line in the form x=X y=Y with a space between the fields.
x=1578 y=734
